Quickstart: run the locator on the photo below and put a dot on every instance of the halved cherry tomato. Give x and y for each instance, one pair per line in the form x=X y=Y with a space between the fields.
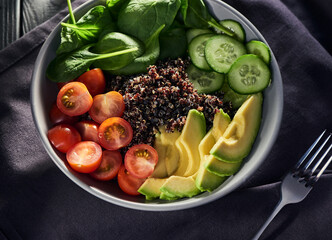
x=115 y=133
x=107 y=105
x=109 y=167
x=94 y=80
x=74 y=99
x=88 y=130
x=128 y=183
x=140 y=160
x=85 y=157
x=63 y=137
x=57 y=117
x=61 y=84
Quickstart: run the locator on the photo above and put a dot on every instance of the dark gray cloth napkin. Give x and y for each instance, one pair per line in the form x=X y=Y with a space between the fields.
x=37 y=201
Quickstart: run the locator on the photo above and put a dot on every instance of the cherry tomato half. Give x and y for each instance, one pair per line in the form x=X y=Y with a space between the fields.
x=115 y=133
x=57 y=117
x=107 y=105
x=85 y=157
x=74 y=99
x=109 y=167
x=63 y=137
x=140 y=160
x=88 y=130
x=128 y=183
x=94 y=80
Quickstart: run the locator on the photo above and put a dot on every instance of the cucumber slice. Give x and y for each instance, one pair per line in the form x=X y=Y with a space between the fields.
x=249 y=74
x=260 y=49
x=221 y=51
x=236 y=28
x=196 y=51
x=194 y=32
x=230 y=96
x=205 y=82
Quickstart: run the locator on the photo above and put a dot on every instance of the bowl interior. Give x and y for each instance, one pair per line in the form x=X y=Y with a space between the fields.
x=43 y=94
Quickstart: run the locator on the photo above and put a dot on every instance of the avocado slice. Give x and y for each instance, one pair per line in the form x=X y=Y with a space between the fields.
x=221 y=168
x=180 y=187
x=207 y=181
x=160 y=170
x=168 y=197
x=206 y=144
x=193 y=132
x=183 y=161
x=221 y=121
x=151 y=187
x=236 y=142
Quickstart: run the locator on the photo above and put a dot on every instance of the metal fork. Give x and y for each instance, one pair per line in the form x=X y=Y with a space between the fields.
x=298 y=182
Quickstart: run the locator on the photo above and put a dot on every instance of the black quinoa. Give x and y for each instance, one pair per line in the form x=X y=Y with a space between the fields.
x=163 y=96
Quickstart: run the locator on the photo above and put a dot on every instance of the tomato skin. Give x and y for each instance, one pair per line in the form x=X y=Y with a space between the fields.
x=57 y=117
x=63 y=137
x=115 y=133
x=140 y=160
x=109 y=167
x=107 y=105
x=74 y=99
x=94 y=80
x=128 y=183
x=88 y=130
x=84 y=157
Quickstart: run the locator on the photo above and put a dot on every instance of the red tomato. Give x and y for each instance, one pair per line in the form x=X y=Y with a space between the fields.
x=128 y=183
x=85 y=157
x=94 y=80
x=61 y=84
x=56 y=116
x=140 y=160
x=63 y=137
x=115 y=133
x=109 y=167
x=107 y=105
x=88 y=130
x=74 y=99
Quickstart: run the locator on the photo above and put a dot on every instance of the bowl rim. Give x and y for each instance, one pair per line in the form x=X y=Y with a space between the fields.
x=152 y=206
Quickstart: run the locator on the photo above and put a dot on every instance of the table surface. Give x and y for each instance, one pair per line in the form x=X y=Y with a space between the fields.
x=18 y=17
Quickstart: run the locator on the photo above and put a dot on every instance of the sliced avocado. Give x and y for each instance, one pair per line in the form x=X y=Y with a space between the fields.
x=206 y=144
x=207 y=181
x=160 y=170
x=236 y=142
x=172 y=153
x=168 y=197
x=183 y=161
x=221 y=168
x=193 y=132
x=221 y=121
x=151 y=187
x=180 y=186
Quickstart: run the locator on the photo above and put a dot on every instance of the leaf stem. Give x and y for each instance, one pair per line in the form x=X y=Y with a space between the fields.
x=221 y=28
x=112 y=54
x=72 y=17
x=73 y=26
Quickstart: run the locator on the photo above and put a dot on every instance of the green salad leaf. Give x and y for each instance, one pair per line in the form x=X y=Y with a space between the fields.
x=173 y=43
x=142 y=18
x=69 y=66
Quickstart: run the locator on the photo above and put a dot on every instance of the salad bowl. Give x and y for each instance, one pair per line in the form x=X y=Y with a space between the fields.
x=43 y=93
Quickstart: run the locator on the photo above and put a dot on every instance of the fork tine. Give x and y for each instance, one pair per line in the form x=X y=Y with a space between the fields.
x=321 y=159
x=305 y=155
x=323 y=169
x=316 y=153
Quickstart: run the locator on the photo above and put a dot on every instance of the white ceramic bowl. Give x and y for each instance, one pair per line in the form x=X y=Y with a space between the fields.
x=43 y=94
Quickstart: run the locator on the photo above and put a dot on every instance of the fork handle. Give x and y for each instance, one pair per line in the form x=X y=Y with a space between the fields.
x=277 y=209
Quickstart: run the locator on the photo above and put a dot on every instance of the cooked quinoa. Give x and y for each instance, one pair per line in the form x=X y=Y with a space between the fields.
x=163 y=96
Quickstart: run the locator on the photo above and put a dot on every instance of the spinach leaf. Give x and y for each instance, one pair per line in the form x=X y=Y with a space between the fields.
x=69 y=66
x=86 y=30
x=142 y=18
x=116 y=41
x=150 y=56
x=114 y=7
x=196 y=15
x=173 y=43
